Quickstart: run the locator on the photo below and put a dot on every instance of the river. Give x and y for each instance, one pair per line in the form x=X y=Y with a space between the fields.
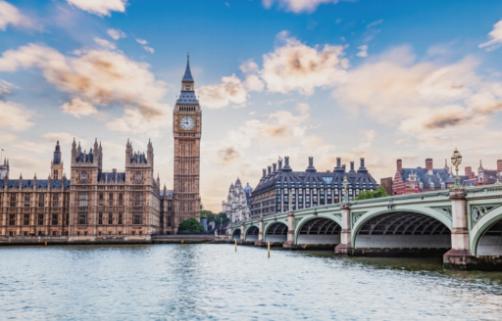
x=213 y=282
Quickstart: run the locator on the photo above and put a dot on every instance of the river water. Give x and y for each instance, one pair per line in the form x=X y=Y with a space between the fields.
x=212 y=282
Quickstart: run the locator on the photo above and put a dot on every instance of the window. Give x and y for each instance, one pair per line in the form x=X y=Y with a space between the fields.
x=26 y=200
x=137 y=218
x=26 y=219
x=40 y=220
x=83 y=203
x=121 y=218
x=12 y=200
x=110 y=218
x=41 y=200
x=12 y=219
x=54 y=219
x=121 y=199
x=55 y=200
x=110 y=199
x=100 y=218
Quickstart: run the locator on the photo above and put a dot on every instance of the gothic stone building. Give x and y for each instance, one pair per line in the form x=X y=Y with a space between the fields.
x=91 y=205
x=237 y=205
x=281 y=189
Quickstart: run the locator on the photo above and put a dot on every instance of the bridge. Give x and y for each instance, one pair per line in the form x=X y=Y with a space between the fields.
x=463 y=224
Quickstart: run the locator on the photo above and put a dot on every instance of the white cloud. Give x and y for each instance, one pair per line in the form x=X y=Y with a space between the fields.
x=10 y=15
x=14 y=116
x=230 y=91
x=78 y=108
x=297 y=6
x=5 y=88
x=132 y=121
x=423 y=99
x=105 y=43
x=362 y=51
x=99 y=77
x=100 y=7
x=143 y=43
x=495 y=37
x=294 y=66
x=116 y=34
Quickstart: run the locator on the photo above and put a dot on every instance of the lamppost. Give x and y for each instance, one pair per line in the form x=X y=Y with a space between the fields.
x=345 y=190
x=456 y=160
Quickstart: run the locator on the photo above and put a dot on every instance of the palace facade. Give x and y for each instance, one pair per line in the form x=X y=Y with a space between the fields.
x=97 y=205
x=238 y=203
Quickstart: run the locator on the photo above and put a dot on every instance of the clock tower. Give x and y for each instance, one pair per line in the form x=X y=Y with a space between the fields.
x=186 y=132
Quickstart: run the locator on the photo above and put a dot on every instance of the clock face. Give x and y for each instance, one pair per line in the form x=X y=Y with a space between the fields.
x=187 y=123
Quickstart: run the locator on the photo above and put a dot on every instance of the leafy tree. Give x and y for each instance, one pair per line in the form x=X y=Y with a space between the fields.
x=379 y=192
x=190 y=225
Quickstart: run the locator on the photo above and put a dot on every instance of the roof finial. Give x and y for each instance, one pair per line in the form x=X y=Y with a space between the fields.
x=188 y=73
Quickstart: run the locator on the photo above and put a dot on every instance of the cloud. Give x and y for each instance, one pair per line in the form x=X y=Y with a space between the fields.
x=291 y=67
x=105 y=43
x=145 y=45
x=294 y=66
x=495 y=37
x=98 y=77
x=230 y=91
x=14 y=116
x=132 y=121
x=10 y=15
x=5 y=88
x=297 y=6
x=100 y=7
x=116 y=34
x=421 y=98
x=78 y=108
x=228 y=155
x=362 y=51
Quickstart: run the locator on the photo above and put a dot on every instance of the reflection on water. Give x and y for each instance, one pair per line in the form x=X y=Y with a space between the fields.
x=212 y=282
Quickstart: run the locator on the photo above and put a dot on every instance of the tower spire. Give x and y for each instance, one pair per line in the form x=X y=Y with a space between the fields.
x=187 y=77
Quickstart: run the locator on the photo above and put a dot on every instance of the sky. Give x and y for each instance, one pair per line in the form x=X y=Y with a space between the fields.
x=324 y=78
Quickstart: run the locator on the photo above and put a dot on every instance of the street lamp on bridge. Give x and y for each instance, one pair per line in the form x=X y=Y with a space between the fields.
x=456 y=160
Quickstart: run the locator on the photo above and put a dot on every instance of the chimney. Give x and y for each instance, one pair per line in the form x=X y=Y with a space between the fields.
x=311 y=167
x=351 y=166
x=286 y=167
x=399 y=165
x=264 y=172
x=428 y=164
x=274 y=167
x=361 y=164
x=280 y=164
x=499 y=165
x=269 y=170
x=468 y=172
x=338 y=163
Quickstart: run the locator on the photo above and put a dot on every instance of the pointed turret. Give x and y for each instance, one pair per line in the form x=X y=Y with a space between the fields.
x=187 y=77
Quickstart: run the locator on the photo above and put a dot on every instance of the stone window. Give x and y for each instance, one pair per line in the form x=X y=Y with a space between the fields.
x=40 y=220
x=100 y=218
x=26 y=200
x=41 y=200
x=26 y=219
x=121 y=218
x=110 y=218
x=12 y=219
x=54 y=219
x=137 y=217
x=12 y=202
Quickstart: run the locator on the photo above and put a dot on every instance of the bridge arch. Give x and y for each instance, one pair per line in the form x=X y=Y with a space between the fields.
x=406 y=230
x=486 y=234
x=251 y=234
x=276 y=232
x=318 y=230
x=236 y=234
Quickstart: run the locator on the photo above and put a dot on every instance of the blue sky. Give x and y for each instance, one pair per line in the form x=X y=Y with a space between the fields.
x=350 y=79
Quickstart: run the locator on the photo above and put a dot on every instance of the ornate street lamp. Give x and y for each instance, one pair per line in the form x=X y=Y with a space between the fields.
x=345 y=189
x=456 y=160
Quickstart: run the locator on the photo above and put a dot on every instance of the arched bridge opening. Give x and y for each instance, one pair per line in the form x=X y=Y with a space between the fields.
x=490 y=243
x=252 y=234
x=319 y=232
x=402 y=233
x=236 y=235
x=276 y=233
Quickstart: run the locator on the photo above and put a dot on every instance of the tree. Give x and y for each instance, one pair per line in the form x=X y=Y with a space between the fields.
x=379 y=192
x=190 y=225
